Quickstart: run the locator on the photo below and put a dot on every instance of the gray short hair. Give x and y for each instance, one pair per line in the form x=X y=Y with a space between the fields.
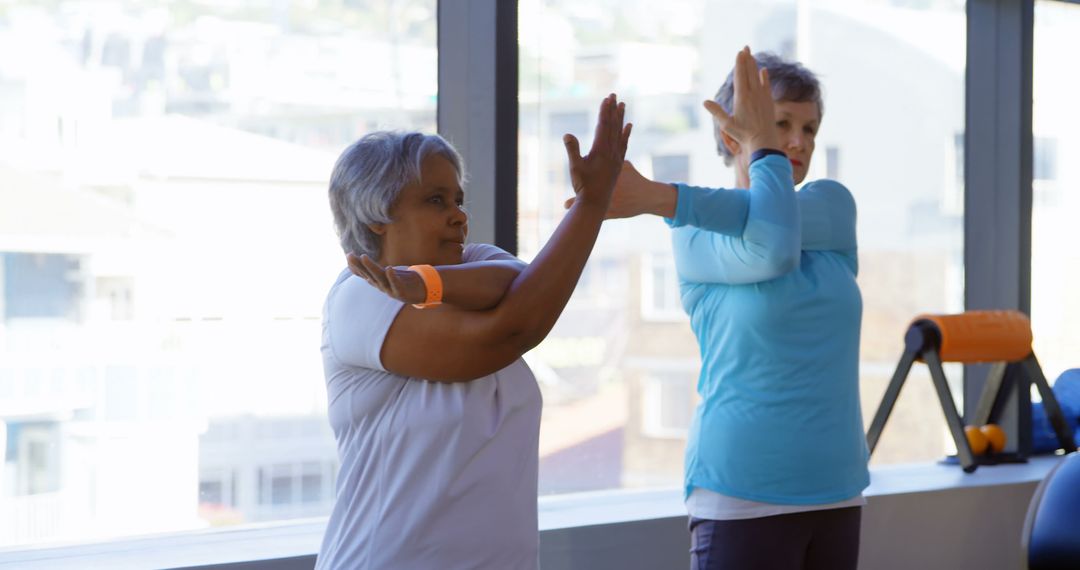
x=790 y=82
x=369 y=176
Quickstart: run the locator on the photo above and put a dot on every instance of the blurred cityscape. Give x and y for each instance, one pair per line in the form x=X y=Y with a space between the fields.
x=166 y=243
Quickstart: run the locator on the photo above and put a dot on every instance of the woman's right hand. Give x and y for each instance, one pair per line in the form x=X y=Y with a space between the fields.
x=752 y=122
x=635 y=195
x=593 y=176
x=398 y=282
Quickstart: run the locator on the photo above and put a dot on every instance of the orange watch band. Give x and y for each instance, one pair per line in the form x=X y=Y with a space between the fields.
x=433 y=284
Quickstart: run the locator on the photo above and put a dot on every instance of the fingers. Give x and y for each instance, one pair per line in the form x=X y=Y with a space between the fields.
x=393 y=281
x=763 y=74
x=741 y=83
x=617 y=124
x=717 y=111
x=750 y=70
x=362 y=270
x=355 y=266
x=376 y=272
x=573 y=150
x=603 y=123
x=625 y=139
x=610 y=135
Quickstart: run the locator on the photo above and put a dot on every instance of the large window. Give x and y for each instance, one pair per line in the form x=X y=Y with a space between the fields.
x=165 y=244
x=1055 y=240
x=165 y=247
x=893 y=74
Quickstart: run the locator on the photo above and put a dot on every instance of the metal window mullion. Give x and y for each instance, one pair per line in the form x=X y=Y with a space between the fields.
x=478 y=109
x=997 y=164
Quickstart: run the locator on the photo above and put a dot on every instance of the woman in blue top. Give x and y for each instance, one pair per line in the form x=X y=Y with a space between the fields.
x=776 y=460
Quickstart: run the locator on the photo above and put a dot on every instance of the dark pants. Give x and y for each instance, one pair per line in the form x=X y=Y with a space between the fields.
x=812 y=540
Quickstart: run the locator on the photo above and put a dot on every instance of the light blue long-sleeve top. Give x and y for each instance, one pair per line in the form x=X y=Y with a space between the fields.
x=767 y=276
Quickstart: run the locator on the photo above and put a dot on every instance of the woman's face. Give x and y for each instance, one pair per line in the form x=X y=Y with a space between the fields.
x=429 y=224
x=797 y=125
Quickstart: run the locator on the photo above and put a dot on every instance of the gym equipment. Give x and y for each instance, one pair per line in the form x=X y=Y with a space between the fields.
x=1067 y=392
x=999 y=337
x=1051 y=536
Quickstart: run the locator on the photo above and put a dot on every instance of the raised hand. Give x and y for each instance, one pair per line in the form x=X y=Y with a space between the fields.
x=593 y=176
x=752 y=123
x=635 y=195
x=397 y=282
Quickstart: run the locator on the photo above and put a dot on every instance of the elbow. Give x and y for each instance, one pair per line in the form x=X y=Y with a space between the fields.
x=777 y=260
x=782 y=262
x=784 y=255
x=517 y=332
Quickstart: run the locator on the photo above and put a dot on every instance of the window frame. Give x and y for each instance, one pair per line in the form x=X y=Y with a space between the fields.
x=478 y=110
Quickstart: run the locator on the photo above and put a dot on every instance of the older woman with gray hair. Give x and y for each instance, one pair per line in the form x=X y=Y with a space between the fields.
x=776 y=460
x=435 y=414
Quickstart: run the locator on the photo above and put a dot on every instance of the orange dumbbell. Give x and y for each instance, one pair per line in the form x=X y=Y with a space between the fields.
x=995 y=436
x=976 y=440
x=988 y=438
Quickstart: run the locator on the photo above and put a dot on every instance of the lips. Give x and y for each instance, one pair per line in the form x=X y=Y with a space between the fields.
x=795 y=162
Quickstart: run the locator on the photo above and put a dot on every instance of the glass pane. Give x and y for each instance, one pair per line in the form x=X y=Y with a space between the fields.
x=886 y=134
x=311 y=490
x=210 y=493
x=1055 y=243
x=281 y=485
x=166 y=246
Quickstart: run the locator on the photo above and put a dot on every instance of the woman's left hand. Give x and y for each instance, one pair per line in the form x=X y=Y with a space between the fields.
x=753 y=117
x=397 y=282
x=635 y=195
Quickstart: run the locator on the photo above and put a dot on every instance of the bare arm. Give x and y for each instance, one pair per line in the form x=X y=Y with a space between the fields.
x=737 y=236
x=450 y=344
x=472 y=286
x=635 y=195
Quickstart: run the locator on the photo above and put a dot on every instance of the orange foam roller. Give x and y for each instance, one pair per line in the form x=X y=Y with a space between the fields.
x=983 y=336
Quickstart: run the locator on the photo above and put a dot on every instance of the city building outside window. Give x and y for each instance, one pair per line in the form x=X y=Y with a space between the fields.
x=165 y=248
x=1055 y=241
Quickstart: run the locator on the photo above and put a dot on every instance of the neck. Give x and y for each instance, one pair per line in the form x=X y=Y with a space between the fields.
x=742 y=177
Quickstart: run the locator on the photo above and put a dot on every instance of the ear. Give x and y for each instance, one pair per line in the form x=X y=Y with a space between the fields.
x=730 y=143
x=377 y=229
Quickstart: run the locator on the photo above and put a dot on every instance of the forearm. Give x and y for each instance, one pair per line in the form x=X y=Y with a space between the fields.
x=729 y=212
x=739 y=236
x=662 y=199
x=538 y=295
x=717 y=210
x=772 y=229
x=478 y=285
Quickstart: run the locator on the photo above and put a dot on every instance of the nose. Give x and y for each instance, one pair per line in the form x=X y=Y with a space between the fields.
x=796 y=141
x=459 y=216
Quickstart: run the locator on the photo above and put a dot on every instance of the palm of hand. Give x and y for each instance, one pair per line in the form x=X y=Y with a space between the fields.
x=751 y=122
x=594 y=170
x=594 y=175
x=397 y=282
x=628 y=198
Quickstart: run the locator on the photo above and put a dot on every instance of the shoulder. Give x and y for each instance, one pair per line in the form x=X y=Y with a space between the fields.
x=831 y=192
x=829 y=187
x=351 y=294
x=485 y=252
x=356 y=319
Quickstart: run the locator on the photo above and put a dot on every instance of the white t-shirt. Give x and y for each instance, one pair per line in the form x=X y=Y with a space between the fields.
x=433 y=474
x=707 y=504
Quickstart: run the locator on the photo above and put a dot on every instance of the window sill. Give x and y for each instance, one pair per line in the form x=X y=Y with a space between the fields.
x=300 y=539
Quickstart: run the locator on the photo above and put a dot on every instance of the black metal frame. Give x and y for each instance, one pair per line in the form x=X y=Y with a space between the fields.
x=1008 y=389
x=478 y=111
